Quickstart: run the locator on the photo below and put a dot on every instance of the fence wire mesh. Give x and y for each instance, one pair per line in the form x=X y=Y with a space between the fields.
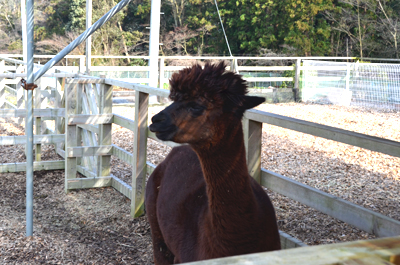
x=366 y=85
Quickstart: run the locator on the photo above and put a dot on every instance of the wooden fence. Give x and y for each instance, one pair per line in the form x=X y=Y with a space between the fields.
x=83 y=115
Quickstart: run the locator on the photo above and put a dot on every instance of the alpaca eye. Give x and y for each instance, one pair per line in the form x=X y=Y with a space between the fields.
x=195 y=109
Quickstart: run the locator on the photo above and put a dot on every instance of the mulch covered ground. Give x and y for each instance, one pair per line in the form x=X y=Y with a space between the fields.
x=94 y=226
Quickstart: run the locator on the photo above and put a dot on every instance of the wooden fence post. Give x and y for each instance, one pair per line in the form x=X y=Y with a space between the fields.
x=2 y=93
x=71 y=108
x=254 y=142
x=38 y=120
x=139 y=153
x=296 y=90
x=60 y=103
x=105 y=107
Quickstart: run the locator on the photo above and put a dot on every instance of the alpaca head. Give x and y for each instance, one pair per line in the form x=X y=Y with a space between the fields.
x=204 y=101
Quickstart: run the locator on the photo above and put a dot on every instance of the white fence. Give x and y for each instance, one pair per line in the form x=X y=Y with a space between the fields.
x=367 y=85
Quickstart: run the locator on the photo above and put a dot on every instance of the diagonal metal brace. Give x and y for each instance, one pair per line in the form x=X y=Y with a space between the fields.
x=26 y=86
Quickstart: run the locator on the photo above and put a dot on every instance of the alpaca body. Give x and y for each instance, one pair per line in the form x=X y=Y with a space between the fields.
x=201 y=202
x=179 y=204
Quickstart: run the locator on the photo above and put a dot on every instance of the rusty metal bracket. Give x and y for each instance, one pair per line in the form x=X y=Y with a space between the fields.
x=26 y=86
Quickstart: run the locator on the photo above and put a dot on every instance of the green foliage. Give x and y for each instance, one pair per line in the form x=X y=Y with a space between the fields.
x=370 y=28
x=15 y=46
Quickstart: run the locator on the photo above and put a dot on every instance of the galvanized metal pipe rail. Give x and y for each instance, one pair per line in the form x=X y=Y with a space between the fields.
x=81 y=38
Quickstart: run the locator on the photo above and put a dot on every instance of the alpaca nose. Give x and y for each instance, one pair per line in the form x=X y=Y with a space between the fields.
x=160 y=117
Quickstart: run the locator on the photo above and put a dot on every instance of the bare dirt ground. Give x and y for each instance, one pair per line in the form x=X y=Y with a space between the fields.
x=94 y=226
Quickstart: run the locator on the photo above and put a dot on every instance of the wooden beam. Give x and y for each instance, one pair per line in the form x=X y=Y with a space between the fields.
x=87 y=183
x=90 y=119
x=340 y=135
x=139 y=154
x=37 y=166
x=268 y=79
x=383 y=251
x=43 y=139
x=104 y=138
x=124 y=122
x=80 y=151
x=15 y=113
x=122 y=154
x=89 y=127
x=265 y=68
x=121 y=187
x=364 y=219
x=137 y=87
x=287 y=241
x=71 y=139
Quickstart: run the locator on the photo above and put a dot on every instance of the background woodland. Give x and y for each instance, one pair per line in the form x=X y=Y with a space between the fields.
x=362 y=28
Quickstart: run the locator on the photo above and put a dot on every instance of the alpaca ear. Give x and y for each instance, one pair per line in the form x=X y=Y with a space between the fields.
x=250 y=102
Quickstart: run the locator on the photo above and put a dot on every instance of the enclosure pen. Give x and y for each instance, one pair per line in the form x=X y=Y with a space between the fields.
x=92 y=118
x=31 y=77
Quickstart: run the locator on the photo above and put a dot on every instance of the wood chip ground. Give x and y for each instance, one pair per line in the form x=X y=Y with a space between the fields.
x=94 y=226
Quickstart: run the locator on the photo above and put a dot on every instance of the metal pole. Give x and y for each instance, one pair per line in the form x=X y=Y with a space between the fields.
x=81 y=38
x=24 y=34
x=154 y=41
x=29 y=122
x=89 y=39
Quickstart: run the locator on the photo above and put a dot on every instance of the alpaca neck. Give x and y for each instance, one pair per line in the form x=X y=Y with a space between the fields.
x=225 y=171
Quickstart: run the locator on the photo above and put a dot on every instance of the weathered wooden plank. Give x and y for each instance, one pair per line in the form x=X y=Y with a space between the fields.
x=91 y=99
x=150 y=167
x=38 y=120
x=90 y=119
x=80 y=151
x=122 y=187
x=105 y=129
x=265 y=68
x=340 y=135
x=42 y=165
x=253 y=138
x=89 y=127
x=87 y=183
x=124 y=122
x=15 y=113
x=383 y=251
x=10 y=90
x=48 y=93
x=122 y=154
x=43 y=139
x=18 y=75
x=89 y=80
x=287 y=241
x=86 y=172
x=141 y=88
x=9 y=104
x=364 y=219
x=70 y=133
x=139 y=154
x=268 y=79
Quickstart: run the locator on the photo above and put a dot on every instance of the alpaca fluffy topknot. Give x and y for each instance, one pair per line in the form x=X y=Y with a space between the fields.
x=211 y=82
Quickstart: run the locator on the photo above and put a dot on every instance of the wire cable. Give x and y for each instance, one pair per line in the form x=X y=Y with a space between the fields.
x=223 y=30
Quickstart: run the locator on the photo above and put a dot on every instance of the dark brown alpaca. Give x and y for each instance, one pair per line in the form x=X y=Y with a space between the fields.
x=200 y=201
